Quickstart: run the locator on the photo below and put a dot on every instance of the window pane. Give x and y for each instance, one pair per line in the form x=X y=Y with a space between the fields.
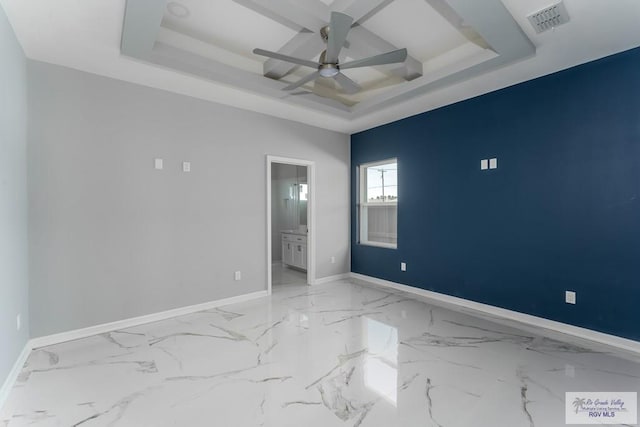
x=382 y=224
x=304 y=189
x=382 y=183
x=378 y=209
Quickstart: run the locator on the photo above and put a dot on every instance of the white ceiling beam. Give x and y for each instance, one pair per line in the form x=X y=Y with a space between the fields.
x=359 y=10
x=507 y=38
x=366 y=43
x=297 y=16
x=142 y=19
x=448 y=13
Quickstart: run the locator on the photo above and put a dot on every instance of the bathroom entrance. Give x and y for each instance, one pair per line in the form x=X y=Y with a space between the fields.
x=290 y=207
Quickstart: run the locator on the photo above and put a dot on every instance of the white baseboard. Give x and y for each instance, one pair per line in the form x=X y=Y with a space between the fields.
x=46 y=340
x=135 y=321
x=329 y=279
x=13 y=374
x=524 y=321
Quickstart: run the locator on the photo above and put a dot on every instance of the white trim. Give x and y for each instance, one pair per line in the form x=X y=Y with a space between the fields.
x=524 y=321
x=141 y=320
x=311 y=216
x=46 y=340
x=379 y=244
x=394 y=203
x=13 y=374
x=363 y=206
x=328 y=279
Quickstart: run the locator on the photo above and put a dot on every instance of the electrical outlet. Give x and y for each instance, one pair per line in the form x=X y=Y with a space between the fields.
x=237 y=276
x=333 y=260
x=18 y=322
x=570 y=297
x=186 y=166
x=403 y=266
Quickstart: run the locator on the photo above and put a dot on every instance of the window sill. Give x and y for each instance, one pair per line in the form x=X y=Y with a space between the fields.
x=380 y=245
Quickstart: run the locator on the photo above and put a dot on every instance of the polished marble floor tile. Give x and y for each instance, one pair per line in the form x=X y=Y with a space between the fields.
x=339 y=354
x=282 y=275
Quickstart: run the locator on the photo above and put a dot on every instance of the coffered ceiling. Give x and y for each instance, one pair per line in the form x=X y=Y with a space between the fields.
x=456 y=48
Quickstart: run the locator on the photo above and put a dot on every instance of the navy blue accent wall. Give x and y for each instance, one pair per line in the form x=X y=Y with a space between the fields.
x=561 y=212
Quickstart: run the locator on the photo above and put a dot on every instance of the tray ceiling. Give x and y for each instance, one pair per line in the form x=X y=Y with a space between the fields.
x=202 y=48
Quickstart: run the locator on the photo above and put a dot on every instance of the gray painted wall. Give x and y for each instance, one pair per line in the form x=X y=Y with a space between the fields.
x=14 y=284
x=112 y=238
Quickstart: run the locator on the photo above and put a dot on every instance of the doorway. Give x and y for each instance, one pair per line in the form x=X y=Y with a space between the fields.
x=290 y=222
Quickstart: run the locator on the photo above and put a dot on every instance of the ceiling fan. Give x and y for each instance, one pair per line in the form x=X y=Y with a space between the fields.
x=335 y=36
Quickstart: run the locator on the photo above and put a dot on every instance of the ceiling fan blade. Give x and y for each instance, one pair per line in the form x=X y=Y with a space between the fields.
x=338 y=29
x=302 y=81
x=276 y=55
x=323 y=85
x=347 y=84
x=385 y=58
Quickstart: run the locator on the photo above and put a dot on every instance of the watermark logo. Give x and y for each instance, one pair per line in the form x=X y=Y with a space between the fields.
x=606 y=407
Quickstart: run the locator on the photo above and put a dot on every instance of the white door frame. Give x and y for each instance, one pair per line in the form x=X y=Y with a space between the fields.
x=311 y=216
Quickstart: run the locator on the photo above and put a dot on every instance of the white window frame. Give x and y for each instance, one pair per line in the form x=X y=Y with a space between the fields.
x=362 y=203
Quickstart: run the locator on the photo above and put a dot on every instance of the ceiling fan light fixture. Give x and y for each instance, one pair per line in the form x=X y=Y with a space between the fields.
x=328 y=70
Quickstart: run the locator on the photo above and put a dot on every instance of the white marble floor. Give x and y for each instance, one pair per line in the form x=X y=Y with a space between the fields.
x=338 y=354
x=281 y=275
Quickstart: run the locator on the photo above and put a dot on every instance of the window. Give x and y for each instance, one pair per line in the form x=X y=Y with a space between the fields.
x=378 y=207
x=304 y=189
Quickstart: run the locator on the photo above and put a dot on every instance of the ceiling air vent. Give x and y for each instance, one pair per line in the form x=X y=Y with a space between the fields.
x=549 y=17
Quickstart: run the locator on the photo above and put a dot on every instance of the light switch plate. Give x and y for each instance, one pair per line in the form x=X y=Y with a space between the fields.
x=403 y=266
x=570 y=297
x=493 y=163
x=186 y=166
x=158 y=163
x=237 y=275
x=484 y=164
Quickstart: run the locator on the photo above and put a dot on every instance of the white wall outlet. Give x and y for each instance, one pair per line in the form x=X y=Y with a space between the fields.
x=18 y=322
x=186 y=166
x=158 y=164
x=237 y=275
x=484 y=164
x=570 y=297
x=493 y=163
x=403 y=266
x=333 y=260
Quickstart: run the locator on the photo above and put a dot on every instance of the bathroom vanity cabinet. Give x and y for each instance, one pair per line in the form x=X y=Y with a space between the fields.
x=294 y=249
